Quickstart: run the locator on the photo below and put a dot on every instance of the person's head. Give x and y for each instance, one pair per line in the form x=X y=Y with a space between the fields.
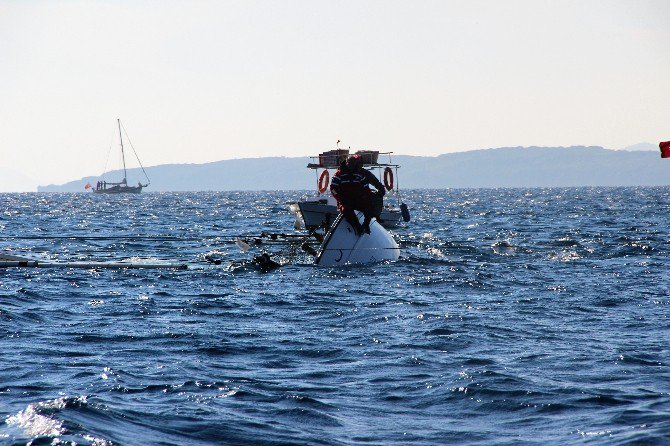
x=354 y=162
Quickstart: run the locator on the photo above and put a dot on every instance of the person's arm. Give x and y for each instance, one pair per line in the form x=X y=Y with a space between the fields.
x=335 y=191
x=375 y=182
x=335 y=186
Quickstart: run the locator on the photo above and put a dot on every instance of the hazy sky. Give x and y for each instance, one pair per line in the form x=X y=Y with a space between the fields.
x=199 y=81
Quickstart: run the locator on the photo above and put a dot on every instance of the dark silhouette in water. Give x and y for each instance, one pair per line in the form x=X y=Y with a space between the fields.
x=265 y=262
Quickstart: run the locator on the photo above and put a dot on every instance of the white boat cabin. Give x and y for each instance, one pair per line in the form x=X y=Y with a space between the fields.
x=320 y=210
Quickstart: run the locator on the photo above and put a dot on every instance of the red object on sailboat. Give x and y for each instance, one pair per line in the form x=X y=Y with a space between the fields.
x=665 y=149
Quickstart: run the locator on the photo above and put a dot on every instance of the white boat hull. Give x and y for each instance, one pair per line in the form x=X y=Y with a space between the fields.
x=342 y=246
x=321 y=213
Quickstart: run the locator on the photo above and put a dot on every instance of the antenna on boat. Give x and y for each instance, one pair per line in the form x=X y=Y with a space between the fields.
x=123 y=156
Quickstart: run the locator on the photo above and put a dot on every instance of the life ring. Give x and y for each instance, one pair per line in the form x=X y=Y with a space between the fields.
x=388 y=178
x=324 y=179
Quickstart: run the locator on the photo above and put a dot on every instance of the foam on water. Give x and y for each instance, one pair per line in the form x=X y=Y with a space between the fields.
x=34 y=424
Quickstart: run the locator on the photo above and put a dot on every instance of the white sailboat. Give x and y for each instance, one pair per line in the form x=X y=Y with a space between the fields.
x=121 y=187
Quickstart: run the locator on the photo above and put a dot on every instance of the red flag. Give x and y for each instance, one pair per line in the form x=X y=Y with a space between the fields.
x=88 y=186
x=665 y=149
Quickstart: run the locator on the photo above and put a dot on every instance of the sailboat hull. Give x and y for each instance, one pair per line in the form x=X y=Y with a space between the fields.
x=120 y=190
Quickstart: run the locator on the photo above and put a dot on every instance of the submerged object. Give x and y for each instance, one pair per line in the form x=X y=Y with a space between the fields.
x=405 y=212
x=343 y=246
x=265 y=262
x=9 y=261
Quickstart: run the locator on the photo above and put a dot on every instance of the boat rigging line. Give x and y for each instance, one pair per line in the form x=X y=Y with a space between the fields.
x=134 y=152
x=253 y=239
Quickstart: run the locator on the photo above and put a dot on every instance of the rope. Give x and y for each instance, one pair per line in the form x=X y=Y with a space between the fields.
x=135 y=153
x=356 y=249
x=249 y=239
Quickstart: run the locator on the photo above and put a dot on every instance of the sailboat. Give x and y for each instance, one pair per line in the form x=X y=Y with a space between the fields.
x=121 y=187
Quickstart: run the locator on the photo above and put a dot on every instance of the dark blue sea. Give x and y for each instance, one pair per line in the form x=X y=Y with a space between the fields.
x=513 y=317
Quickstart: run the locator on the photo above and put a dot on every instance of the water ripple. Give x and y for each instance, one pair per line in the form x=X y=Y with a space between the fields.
x=514 y=316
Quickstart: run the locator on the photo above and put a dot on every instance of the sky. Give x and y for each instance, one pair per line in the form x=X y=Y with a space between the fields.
x=199 y=81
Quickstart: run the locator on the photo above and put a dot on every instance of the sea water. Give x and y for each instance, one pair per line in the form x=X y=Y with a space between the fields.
x=513 y=317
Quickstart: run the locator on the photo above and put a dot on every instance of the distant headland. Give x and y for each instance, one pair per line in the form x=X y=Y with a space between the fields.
x=500 y=167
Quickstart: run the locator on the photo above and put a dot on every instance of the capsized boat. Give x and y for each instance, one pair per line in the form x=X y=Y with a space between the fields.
x=121 y=187
x=320 y=211
x=340 y=246
x=343 y=246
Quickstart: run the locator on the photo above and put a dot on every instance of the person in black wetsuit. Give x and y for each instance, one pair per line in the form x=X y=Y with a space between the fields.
x=351 y=188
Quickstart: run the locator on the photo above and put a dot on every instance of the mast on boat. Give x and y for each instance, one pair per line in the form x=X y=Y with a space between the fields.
x=123 y=156
x=121 y=186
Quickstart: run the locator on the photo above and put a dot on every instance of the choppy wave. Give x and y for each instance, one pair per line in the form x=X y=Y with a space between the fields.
x=512 y=317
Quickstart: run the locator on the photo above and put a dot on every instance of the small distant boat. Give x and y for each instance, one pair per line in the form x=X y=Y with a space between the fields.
x=343 y=246
x=320 y=211
x=120 y=187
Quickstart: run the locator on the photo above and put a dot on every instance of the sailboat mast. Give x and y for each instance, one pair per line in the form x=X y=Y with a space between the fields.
x=123 y=156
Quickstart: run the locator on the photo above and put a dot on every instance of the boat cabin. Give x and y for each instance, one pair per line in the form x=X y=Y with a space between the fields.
x=320 y=210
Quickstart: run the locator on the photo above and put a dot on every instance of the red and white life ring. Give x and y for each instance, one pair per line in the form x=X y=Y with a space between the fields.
x=388 y=178
x=324 y=179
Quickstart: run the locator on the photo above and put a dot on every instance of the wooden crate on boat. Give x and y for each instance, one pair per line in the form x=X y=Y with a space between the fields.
x=369 y=156
x=333 y=158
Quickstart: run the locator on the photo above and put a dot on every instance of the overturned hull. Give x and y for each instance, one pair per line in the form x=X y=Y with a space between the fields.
x=342 y=246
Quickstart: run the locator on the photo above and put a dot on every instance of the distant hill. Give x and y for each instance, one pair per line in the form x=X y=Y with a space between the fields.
x=13 y=181
x=502 y=167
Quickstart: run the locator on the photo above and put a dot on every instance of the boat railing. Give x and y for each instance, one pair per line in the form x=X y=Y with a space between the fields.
x=320 y=166
x=317 y=164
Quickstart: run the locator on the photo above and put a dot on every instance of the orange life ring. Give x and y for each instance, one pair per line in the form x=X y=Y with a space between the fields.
x=388 y=178
x=324 y=179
